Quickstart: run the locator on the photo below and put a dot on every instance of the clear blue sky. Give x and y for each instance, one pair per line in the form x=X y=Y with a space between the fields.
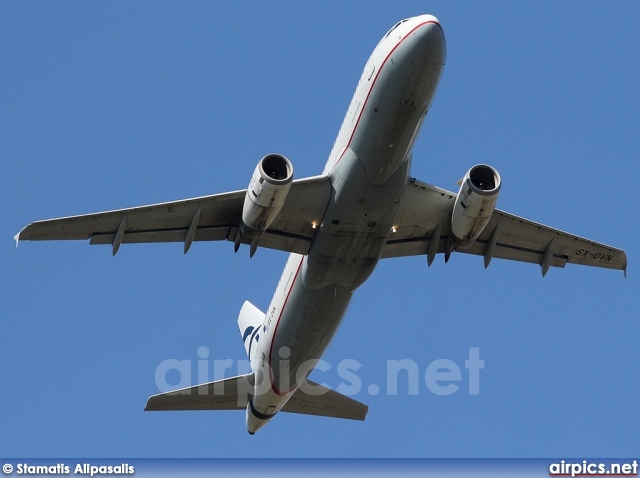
x=108 y=105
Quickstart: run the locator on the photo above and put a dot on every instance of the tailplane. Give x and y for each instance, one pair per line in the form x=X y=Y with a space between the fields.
x=228 y=394
x=314 y=399
x=235 y=393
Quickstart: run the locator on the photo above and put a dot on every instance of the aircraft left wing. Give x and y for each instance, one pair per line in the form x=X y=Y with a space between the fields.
x=425 y=215
x=207 y=218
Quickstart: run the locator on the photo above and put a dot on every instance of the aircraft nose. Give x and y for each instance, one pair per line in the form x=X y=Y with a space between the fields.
x=430 y=36
x=428 y=18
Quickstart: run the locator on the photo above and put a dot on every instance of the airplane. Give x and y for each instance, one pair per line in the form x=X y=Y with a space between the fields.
x=365 y=206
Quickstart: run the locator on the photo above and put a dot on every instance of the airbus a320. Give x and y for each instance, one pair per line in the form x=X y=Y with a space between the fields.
x=365 y=206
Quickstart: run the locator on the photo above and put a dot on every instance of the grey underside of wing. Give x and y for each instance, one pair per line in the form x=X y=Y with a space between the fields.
x=234 y=394
x=425 y=206
x=208 y=218
x=228 y=394
x=325 y=402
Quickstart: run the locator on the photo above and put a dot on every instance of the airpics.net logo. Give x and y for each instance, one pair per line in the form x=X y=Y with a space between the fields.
x=590 y=468
x=403 y=376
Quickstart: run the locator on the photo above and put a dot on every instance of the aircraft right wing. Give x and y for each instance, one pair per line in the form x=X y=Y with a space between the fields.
x=207 y=218
x=425 y=215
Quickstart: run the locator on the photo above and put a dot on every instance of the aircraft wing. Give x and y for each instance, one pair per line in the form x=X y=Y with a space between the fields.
x=207 y=218
x=424 y=207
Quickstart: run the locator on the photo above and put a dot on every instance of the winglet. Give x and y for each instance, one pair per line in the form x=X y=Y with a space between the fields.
x=17 y=239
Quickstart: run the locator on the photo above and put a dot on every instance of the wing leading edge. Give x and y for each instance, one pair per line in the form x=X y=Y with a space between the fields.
x=425 y=215
x=206 y=218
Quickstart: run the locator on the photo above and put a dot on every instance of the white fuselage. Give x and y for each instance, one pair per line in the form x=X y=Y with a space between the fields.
x=368 y=168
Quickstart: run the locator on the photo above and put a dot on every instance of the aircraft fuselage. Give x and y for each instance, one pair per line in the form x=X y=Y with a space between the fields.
x=369 y=168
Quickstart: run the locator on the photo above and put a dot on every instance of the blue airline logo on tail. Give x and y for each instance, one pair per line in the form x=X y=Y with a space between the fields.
x=253 y=332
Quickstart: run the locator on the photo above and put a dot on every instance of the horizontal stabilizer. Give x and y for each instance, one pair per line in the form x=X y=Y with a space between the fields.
x=234 y=394
x=227 y=394
x=314 y=399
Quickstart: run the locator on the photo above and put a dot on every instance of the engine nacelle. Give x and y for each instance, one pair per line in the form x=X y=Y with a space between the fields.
x=267 y=192
x=474 y=205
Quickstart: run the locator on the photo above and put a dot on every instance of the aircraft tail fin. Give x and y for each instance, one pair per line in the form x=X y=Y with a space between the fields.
x=250 y=321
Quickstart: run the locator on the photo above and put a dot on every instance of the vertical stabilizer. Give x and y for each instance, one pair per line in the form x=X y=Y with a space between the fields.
x=250 y=323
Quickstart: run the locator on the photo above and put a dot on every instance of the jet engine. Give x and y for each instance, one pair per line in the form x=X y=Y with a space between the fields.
x=267 y=192
x=474 y=205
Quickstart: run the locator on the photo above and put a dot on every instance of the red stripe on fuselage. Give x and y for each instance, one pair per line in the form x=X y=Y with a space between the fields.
x=275 y=331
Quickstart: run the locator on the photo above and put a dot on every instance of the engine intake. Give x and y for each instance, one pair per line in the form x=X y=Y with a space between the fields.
x=266 y=194
x=474 y=205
